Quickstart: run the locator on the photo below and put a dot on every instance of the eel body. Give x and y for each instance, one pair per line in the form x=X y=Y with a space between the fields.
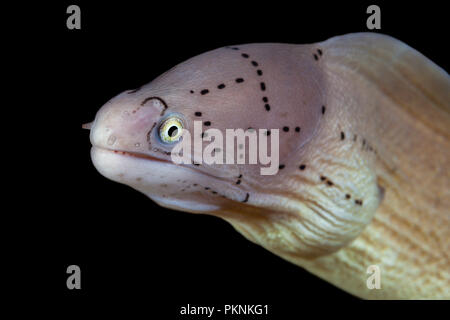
x=362 y=174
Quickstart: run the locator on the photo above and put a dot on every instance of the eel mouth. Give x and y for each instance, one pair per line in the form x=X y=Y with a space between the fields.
x=134 y=155
x=147 y=157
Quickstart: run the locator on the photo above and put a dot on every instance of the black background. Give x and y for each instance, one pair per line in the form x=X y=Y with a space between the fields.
x=134 y=255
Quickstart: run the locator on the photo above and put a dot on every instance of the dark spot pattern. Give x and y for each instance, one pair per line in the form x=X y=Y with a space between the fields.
x=204 y=91
x=323 y=109
x=198 y=114
x=330 y=184
x=317 y=55
x=302 y=167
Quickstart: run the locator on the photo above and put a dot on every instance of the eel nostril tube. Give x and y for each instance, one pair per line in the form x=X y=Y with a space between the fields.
x=87 y=126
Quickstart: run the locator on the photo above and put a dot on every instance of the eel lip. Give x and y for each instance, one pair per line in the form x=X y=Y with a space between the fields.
x=133 y=154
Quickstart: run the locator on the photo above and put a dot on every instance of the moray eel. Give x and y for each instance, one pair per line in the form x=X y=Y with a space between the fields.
x=363 y=173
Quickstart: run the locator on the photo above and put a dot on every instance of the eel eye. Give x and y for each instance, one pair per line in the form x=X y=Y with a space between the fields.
x=170 y=130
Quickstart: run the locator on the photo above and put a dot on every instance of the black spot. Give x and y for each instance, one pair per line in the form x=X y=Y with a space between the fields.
x=263 y=86
x=330 y=183
x=195 y=184
x=238 y=182
x=204 y=91
x=195 y=164
x=245 y=55
x=254 y=63
x=342 y=135
x=319 y=52
x=203 y=134
x=259 y=72
x=221 y=86
x=192 y=91
x=323 y=109
x=239 y=80
x=207 y=123
x=281 y=166
x=297 y=129
x=347 y=196
x=214 y=192
x=285 y=129
x=267 y=106
x=265 y=99
x=316 y=57
x=240 y=176
x=302 y=167
x=206 y=188
x=246 y=198
x=359 y=202
x=198 y=114
x=268 y=133
x=322 y=178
